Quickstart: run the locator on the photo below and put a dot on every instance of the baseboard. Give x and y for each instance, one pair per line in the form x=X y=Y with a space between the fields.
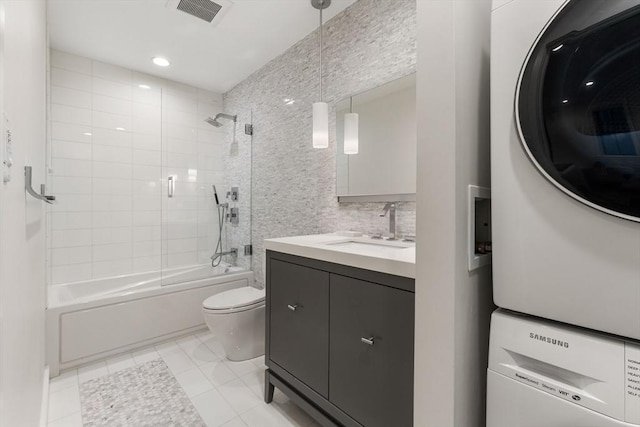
x=44 y=406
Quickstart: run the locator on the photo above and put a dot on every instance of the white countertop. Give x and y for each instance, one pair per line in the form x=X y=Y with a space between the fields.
x=391 y=257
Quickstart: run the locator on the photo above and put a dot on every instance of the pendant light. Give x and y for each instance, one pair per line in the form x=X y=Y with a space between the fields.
x=320 y=109
x=351 y=130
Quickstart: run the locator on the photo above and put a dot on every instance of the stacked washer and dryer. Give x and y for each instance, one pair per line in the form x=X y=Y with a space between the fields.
x=565 y=158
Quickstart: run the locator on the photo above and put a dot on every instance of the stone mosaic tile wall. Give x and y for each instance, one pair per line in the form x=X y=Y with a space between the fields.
x=370 y=43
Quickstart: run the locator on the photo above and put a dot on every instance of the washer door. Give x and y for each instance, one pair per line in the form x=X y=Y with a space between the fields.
x=578 y=104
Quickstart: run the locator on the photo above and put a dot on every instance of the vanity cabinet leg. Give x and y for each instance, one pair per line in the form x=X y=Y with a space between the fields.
x=268 y=387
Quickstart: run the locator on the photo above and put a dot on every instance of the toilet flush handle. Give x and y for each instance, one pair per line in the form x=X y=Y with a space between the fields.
x=292 y=307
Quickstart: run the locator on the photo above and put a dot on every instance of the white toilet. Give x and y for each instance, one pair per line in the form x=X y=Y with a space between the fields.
x=236 y=317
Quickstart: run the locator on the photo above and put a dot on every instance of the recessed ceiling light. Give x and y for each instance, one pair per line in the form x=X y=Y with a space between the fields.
x=564 y=101
x=144 y=86
x=120 y=129
x=589 y=83
x=161 y=62
x=87 y=133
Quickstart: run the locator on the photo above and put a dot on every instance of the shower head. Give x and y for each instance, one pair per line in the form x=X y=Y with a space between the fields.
x=214 y=121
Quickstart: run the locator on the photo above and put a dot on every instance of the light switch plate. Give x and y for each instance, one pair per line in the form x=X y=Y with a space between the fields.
x=7 y=149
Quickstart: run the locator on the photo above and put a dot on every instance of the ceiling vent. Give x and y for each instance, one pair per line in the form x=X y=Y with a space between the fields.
x=203 y=9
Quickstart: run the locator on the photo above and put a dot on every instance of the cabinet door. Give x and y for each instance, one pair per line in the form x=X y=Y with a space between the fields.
x=371 y=380
x=299 y=322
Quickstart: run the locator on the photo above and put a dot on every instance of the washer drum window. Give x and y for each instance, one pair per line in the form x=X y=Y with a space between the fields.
x=578 y=104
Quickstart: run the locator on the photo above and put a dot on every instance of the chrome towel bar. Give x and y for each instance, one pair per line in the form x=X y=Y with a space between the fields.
x=27 y=186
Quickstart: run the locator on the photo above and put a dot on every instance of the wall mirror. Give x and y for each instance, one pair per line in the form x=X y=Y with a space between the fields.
x=384 y=168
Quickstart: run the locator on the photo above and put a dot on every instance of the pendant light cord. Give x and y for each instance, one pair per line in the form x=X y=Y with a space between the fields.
x=322 y=4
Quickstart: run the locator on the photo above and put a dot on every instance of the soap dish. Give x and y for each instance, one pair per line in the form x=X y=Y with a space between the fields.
x=348 y=233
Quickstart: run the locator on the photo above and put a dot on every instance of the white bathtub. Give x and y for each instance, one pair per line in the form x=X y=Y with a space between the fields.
x=99 y=318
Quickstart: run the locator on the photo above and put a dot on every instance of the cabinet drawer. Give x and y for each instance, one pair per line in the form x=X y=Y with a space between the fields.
x=372 y=382
x=298 y=307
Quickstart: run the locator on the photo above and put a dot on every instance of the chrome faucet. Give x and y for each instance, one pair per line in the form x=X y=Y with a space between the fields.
x=391 y=208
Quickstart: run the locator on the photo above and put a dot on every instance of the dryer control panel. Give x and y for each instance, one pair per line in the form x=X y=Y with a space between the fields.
x=570 y=363
x=632 y=386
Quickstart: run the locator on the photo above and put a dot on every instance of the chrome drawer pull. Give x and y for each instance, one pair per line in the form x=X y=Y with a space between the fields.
x=292 y=307
x=368 y=341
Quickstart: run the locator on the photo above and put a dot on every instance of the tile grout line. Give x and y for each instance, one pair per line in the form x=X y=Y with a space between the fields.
x=215 y=387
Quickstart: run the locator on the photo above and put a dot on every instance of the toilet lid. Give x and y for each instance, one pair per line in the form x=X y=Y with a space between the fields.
x=240 y=297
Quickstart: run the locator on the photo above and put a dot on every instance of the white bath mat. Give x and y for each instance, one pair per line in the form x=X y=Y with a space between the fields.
x=143 y=395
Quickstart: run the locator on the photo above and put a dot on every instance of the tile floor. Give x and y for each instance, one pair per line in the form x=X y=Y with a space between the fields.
x=225 y=393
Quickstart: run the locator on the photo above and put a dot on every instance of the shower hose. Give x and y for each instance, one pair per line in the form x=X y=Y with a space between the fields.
x=216 y=259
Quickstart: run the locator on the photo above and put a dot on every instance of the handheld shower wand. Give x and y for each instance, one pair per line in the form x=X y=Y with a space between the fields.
x=216 y=258
x=215 y=194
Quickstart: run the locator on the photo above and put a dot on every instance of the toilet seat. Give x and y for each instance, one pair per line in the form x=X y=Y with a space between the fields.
x=234 y=300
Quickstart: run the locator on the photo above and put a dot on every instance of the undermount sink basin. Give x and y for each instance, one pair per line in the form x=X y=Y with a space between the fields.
x=369 y=244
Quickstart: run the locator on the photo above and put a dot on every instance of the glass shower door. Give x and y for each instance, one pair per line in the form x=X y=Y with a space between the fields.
x=133 y=163
x=202 y=238
x=237 y=160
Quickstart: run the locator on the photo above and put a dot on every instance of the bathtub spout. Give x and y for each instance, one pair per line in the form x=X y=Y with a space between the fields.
x=233 y=252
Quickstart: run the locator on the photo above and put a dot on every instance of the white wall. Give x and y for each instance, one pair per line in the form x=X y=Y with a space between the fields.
x=452 y=305
x=22 y=224
x=113 y=216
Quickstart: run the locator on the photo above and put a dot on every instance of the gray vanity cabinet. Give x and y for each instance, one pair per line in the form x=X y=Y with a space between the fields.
x=299 y=318
x=340 y=341
x=371 y=352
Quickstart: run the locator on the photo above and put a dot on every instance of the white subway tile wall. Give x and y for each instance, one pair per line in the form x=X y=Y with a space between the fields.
x=112 y=146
